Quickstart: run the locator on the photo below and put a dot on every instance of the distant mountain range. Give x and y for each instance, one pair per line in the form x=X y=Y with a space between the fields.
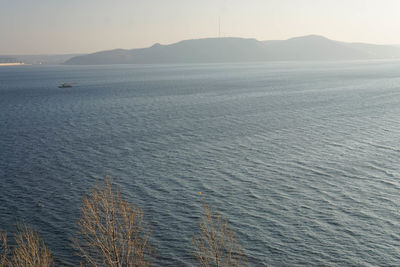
x=219 y=50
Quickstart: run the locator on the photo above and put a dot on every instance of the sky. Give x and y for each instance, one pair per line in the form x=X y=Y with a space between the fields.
x=84 y=26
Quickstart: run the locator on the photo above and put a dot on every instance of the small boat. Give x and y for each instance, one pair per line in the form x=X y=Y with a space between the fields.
x=65 y=85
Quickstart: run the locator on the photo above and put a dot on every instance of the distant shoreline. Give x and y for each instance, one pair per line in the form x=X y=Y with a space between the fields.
x=11 y=64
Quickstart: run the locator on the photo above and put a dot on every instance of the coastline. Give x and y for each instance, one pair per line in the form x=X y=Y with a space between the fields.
x=11 y=64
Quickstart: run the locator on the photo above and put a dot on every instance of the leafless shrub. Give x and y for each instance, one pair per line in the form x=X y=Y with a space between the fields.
x=29 y=250
x=111 y=231
x=216 y=244
x=3 y=249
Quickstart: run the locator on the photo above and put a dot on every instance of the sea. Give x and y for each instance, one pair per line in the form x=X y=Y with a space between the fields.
x=302 y=158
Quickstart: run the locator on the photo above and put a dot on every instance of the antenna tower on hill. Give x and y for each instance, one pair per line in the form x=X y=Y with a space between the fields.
x=219 y=26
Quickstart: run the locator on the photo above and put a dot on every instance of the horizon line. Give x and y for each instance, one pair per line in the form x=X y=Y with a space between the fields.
x=200 y=38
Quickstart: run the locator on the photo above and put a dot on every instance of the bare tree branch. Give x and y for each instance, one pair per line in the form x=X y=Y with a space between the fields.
x=216 y=244
x=111 y=231
x=29 y=250
x=4 y=250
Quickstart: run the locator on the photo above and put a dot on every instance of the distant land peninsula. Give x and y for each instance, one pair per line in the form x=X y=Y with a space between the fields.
x=13 y=60
x=9 y=61
x=224 y=50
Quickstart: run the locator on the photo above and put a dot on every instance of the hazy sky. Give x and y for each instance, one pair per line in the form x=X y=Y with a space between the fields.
x=81 y=26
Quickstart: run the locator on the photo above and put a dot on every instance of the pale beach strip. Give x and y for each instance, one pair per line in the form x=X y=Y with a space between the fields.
x=11 y=64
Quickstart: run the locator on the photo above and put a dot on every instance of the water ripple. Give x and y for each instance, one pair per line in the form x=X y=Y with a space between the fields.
x=302 y=158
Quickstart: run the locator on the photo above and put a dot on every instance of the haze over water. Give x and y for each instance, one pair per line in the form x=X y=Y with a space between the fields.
x=302 y=158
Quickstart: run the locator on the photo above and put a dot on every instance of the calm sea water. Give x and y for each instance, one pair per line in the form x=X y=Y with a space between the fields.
x=302 y=158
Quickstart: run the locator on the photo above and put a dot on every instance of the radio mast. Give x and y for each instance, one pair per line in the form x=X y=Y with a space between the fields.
x=219 y=26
